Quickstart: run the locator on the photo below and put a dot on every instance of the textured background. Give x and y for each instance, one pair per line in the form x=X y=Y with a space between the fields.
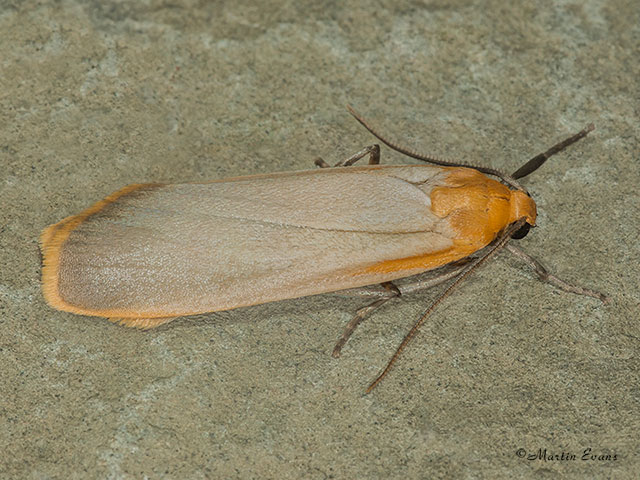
x=97 y=95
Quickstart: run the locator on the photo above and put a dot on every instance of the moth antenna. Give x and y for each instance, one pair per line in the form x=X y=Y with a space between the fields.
x=428 y=158
x=504 y=239
x=537 y=161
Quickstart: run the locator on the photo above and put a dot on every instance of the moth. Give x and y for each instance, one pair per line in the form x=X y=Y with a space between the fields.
x=152 y=252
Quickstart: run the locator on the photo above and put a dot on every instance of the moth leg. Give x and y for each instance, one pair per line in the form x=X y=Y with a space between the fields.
x=372 y=150
x=392 y=291
x=547 y=277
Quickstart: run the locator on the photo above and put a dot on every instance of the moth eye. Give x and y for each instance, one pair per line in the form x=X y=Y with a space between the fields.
x=521 y=232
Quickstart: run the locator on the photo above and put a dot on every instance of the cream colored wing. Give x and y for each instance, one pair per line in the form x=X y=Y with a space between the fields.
x=165 y=250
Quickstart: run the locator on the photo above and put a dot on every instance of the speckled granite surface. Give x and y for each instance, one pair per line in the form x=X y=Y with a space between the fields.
x=97 y=95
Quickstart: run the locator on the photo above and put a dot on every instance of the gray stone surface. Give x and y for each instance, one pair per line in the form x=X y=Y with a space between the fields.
x=97 y=95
